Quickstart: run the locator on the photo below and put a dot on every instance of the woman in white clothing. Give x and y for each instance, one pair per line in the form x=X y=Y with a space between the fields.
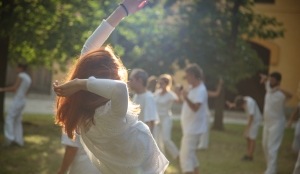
x=94 y=102
x=164 y=99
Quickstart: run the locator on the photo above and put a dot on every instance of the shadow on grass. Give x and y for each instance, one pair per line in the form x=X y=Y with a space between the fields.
x=42 y=152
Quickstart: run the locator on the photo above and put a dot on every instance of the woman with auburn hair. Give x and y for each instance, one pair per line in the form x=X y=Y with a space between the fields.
x=164 y=98
x=94 y=102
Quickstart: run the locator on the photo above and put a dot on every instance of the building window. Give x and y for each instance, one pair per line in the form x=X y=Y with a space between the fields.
x=265 y=1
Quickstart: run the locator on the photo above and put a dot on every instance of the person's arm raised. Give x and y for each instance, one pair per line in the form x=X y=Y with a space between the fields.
x=101 y=34
x=114 y=90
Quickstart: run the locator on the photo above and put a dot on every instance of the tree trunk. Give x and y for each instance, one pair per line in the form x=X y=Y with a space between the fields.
x=219 y=108
x=4 y=42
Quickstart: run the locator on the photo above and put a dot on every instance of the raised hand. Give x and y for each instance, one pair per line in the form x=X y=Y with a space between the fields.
x=134 y=5
x=69 y=88
x=263 y=78
x=229 y=104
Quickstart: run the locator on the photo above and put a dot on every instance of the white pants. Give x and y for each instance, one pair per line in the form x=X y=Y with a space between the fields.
x=204 y=139
x=272 y=138
x=13 y=129
x=254 y=129
x=297 y=165
x=188 y=156
x=163 y=136
x=296 y=141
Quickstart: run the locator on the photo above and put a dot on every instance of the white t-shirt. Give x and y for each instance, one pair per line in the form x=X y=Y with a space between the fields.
x=147 y=105
x=195 y=122
x=274 y=105
x=252 y=109
x=24 y=86
x=164 y=102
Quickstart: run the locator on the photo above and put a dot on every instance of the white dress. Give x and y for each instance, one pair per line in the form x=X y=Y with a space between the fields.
x=81 y=162
x=118 y=142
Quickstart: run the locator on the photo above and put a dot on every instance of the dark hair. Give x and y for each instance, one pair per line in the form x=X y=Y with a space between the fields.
x=23 y=66
x=196 y=70
x=276 y=75
x=151 y=84
x=239 y=101
x=140 y=74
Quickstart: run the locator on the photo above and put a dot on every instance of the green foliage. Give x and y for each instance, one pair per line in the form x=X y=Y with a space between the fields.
x=208 y=32
x=43 y=31
x=213 y=35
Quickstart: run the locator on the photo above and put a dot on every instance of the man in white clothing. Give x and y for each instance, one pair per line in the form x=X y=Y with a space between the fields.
x=254 y=121
x=274 y=119
x=75 y=160
x=13 y=129
x=193 y=118
x=143 y=97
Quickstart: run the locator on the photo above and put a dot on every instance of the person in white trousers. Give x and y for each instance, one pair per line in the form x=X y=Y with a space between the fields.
x=138 y=83
x=75 y=160
x=193 y=118
x=13 y=128
x=204 y=139
x=296 y=141
x=274 y=119
x=94 y=101
x=164 y=99
x=254 y=121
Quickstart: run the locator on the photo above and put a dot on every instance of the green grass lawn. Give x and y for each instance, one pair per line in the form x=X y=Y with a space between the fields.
x=42 y=153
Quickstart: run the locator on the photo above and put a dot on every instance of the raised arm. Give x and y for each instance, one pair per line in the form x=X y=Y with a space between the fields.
x=101 y=34
x=216 y=93
x=114 y=90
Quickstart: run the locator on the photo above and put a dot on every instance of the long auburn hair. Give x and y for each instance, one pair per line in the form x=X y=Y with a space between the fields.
x=79 y=108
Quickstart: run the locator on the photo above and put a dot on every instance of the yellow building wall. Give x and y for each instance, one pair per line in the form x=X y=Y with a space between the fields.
x=285 y=52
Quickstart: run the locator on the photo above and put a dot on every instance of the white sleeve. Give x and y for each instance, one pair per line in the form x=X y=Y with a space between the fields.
x=173 y=96
x=114 y=90
x=149 y=110
x=268 y=88
x=99 y=36
x=251 y=107
x=199 y=96
x=65 y=140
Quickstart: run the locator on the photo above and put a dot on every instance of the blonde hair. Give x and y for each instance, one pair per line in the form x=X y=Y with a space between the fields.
x=167 y=79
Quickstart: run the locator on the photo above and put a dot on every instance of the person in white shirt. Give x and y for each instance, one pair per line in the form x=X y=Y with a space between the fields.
x=274 y=119
x=13 y=128
x=254 y=121
x=204 y=139
x=296 y=141
x=143 y=97
x=164 y=99
x=95 y=102
x=193 y=118
x=75 y=160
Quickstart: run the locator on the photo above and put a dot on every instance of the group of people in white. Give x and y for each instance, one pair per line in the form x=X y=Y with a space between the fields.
x=105 y=132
